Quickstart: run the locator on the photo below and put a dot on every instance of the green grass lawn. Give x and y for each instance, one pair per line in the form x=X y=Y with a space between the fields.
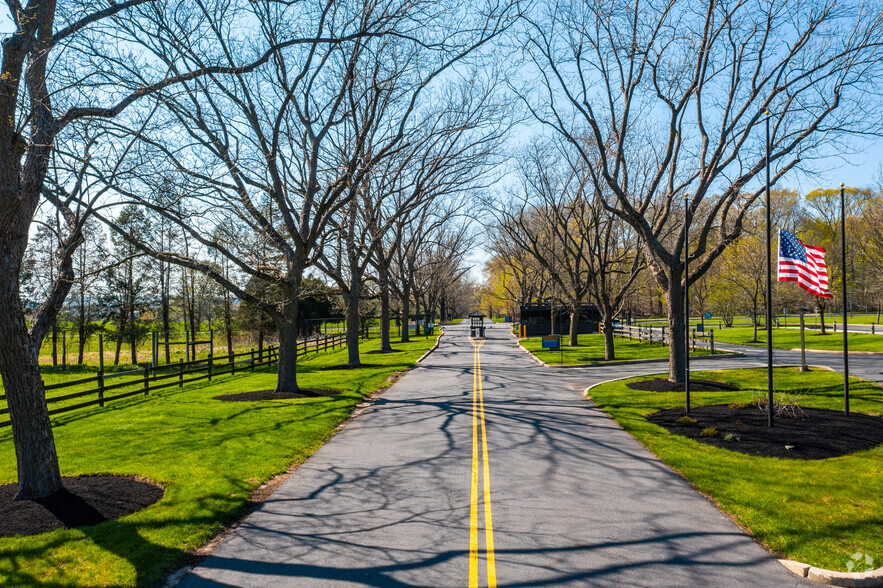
x=818 y=512
x=208 y=454
x=591 y=350
x=790 y=339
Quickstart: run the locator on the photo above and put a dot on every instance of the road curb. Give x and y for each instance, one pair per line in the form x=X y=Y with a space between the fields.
x=832 y=578
x=834 y=352
x=624 y=361
x=431 y=349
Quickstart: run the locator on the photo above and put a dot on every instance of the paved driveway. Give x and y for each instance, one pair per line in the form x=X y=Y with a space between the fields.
x=413 y=493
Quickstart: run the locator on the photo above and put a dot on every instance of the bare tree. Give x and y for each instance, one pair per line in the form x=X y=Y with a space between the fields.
x=674 y=97
x=65 y=63
x=282 y=151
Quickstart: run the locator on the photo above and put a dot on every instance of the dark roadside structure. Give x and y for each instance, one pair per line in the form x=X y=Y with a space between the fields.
x=536 y=319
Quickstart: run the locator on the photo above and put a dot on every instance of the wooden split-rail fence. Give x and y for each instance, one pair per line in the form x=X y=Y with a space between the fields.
x=700 y=339
x=105 y=387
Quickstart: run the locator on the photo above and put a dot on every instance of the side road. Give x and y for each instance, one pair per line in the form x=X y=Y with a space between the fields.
x=480 y=468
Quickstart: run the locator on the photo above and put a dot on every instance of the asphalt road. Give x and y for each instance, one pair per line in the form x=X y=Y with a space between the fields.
x=401 y=497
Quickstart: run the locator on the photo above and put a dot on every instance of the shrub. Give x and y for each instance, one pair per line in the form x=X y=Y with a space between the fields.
x=687 y=420
x=729 y=438
x=708 y=432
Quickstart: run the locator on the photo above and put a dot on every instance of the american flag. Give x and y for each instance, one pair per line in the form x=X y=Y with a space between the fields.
x=803 y=264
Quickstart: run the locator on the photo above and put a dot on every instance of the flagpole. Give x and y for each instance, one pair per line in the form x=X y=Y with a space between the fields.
x=769 y=284
x=843 y=280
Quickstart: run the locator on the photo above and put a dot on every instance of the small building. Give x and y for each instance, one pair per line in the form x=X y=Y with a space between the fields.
x=536 y=319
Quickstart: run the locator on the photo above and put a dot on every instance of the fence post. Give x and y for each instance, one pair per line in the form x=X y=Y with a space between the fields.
x=210 y=362
x=180 y=373
x=211 y=342
x=186 y=342
x=692 y=339
x=233 y=364
x=252 y=359
x=872 y=329
x=62 y=340
x=146 y=379
x=711 y=338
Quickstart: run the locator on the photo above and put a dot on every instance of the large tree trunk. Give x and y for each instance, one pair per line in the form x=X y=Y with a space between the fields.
x=352 y=325
x=574 y=325
x=406 y=312
x=675 y=303
x=821 y=306
x=383 y=275
x=286 y=370
x=37 y=461
x=609 y=350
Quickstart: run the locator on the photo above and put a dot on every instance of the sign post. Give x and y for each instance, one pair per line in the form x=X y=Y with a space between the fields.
x=553 y=342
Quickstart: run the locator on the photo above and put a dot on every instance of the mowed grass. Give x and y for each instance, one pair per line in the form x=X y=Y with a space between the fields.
x=790 y=339
x=591 y=350
x=818 y=512
x=208 y=454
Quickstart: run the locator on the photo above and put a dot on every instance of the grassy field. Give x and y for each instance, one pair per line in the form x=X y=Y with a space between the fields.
x=591 y=350
x=208 y=454
x=790 y=339
x=819 y=512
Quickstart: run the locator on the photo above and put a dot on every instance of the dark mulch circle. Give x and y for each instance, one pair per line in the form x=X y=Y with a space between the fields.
x=663 y=385
x=380 y=351
x=820 y=435
x=84 y=501
x=273 y=395
x=346 y=367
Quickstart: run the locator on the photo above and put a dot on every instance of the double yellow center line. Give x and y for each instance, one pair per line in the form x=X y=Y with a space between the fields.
x=478 y=417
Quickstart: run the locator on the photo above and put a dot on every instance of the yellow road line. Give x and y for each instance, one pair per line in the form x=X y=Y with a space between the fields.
x=473 y=509
x=488 y=519
x=478 y=415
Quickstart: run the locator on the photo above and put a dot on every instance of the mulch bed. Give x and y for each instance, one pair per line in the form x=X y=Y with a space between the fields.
x=663 y=385
x=84 y=501
x=273 y=395
x=821 y=434
x=346 y=367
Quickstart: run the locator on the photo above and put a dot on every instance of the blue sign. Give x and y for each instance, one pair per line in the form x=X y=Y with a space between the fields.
x=707 y=315
x=551 y=342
